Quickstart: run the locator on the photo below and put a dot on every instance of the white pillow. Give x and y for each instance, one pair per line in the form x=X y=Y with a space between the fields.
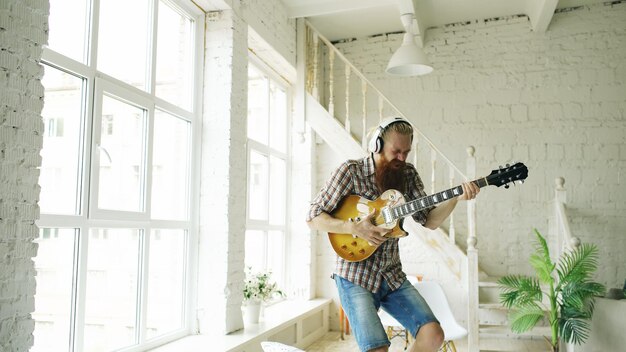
x=269 y=346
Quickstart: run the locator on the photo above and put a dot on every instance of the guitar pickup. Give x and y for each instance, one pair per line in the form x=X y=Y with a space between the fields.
x=386 y=213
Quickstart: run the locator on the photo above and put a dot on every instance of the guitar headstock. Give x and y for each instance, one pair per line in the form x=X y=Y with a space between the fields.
x=505 y=175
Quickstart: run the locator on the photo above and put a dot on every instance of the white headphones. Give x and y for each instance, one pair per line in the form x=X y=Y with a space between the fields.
x=376 y=141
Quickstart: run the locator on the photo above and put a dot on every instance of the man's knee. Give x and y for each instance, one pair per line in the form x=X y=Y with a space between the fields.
x=432 y=335
x=380 y=349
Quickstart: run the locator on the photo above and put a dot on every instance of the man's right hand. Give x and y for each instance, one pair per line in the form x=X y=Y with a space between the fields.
x=365 y=229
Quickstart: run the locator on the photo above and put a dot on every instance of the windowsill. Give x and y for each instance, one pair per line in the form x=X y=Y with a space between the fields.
x=276 y=318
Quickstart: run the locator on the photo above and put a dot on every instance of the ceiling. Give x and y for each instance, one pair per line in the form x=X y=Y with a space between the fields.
x=343 y=19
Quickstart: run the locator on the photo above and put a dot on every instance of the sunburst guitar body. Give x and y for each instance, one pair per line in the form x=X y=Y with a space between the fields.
x=390 y=208
x=355 y=208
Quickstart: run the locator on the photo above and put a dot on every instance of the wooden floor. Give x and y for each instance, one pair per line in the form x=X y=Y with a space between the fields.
x=332 y=343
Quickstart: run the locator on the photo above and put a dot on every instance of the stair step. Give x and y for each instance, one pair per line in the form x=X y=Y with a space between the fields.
x=505 y=345
x=537 y=333
x=489 y=282
x=497 y=306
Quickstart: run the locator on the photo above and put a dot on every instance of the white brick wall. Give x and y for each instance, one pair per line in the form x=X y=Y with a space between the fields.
x=224 y=189
x=556 y=101
x=23 y=31
x=223 y=175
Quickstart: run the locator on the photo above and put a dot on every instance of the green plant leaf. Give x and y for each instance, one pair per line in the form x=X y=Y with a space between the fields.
x=541 y=261
x=574 y=330
x=525 y=318
x=518 y=290
x=578 y=265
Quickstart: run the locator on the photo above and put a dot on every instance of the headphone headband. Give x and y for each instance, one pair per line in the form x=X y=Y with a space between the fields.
x=376 y=141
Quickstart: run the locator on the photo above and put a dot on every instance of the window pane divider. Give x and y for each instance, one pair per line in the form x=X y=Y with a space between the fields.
x=264 y=225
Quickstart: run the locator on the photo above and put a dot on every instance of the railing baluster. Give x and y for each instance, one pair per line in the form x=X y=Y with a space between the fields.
x=472 y=262
x=331 y=82
x=452 y=231
x=415 y=150
x=433 y=171
x=347 y=122
x=315 y=66
x=364 y=120
x=565 y=240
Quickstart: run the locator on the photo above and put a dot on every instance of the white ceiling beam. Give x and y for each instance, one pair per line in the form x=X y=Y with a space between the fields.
x=418 y=27
x=540 y=14
x=330 y=7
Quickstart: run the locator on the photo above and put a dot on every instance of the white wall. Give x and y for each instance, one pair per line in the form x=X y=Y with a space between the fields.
x=555 y=101
x=24 y=30
x=223 y=193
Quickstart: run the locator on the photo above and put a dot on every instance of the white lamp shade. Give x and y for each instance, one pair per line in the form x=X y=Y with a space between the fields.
x=409 y=60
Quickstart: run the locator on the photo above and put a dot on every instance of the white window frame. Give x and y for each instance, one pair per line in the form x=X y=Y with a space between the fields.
x=88 y=216
x=266 y=150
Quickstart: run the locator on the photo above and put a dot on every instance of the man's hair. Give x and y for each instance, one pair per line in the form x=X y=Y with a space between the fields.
x=400 y=128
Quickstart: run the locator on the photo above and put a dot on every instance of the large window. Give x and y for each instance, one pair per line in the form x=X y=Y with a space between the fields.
x=117 y=161
x=268 y=111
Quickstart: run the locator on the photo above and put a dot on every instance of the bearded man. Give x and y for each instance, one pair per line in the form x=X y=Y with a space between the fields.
x=377 y=281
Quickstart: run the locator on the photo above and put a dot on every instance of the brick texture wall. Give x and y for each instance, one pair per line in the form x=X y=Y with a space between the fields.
x=223 y=176
x=23 y=31
x=554 y=100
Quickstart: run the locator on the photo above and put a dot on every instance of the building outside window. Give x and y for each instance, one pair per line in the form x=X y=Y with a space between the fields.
x=120 y=79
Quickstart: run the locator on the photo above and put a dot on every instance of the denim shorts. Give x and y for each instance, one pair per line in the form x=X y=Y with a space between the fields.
x=361 y=306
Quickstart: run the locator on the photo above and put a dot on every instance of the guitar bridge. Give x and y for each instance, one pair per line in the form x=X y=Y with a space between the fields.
x=386 y=213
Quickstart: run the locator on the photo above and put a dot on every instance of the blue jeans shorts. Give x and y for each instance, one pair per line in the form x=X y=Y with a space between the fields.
x=361 y=306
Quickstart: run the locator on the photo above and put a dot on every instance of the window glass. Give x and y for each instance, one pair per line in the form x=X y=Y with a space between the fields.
x=258 y=186
x=61 y=153
x=278 y=192
x=278 y=118
x=123 y=40
x=258 y=100
x=54 y=264
x=174 y=60
x=276 y=255
x=267 y=174
x=255 y=250
x=170 y=167
x=105 y=289
x=68 y=37
x=111 y=301
x=166 y=281
x=121 y=156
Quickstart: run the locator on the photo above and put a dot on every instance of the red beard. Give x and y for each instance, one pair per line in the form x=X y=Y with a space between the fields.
x=390 y=175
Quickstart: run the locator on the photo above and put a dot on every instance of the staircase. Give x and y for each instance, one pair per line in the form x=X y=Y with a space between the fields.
x=342 y=118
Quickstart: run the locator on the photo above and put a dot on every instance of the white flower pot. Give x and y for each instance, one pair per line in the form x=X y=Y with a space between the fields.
x=252 y=310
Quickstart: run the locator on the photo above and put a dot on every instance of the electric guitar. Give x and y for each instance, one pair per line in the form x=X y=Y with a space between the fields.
x=391 y=207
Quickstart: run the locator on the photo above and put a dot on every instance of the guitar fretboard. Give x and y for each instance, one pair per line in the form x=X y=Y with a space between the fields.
x=416 y=205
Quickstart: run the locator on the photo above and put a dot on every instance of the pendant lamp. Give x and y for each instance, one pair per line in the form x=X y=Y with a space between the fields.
x=409 y=59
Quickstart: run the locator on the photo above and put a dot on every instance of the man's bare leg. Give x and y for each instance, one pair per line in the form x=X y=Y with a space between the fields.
x=429 y=338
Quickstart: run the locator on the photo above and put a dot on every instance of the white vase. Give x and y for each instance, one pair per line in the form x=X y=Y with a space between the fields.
x=251 y=312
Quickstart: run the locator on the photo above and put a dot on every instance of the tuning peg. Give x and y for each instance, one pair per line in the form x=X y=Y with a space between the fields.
x=500 y=167
x=508 y=165
x=506 y=186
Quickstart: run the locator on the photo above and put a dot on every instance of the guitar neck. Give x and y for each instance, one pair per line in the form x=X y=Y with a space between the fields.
x=409 y=208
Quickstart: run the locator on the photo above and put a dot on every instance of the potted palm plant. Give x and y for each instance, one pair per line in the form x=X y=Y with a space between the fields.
x=570 y=293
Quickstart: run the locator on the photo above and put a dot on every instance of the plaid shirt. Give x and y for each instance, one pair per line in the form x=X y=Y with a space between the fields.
x=358 y=177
